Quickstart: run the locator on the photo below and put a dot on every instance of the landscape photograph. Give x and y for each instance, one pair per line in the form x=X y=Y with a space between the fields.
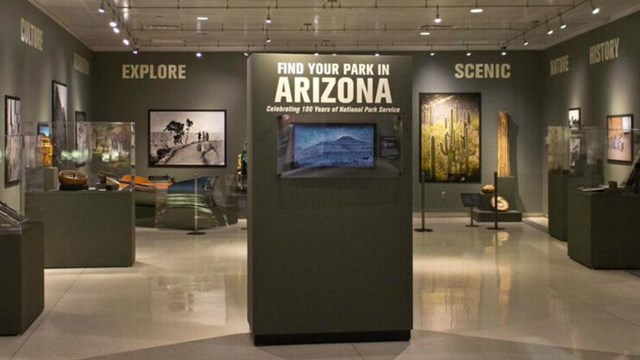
x=190 y=138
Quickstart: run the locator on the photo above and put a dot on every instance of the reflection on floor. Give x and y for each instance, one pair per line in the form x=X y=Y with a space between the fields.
x=477 y=294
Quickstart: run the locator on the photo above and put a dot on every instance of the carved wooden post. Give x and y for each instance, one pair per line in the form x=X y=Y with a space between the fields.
x=504 y=169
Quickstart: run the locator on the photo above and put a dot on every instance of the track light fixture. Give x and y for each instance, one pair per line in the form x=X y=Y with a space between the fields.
x=468 y=52
x=136 y=50
x=316 y=53
x=477 y=9
x=334 y=51
x=377 y=51
x=116 y=29
x=549 y=30
x=503 y=49
x=126 y=41
x=563 y=25
x=425 y=33
x=594 y=9
x=438 y=19
x=267 y=39
x=432 y=53
x=267 y=20
x=101 y=8
x=247 y=52
x=525 y=42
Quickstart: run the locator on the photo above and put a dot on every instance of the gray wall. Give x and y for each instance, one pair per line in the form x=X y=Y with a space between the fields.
x=520 y=96
x=607 y=88
x=216 y=81
x=27 y=73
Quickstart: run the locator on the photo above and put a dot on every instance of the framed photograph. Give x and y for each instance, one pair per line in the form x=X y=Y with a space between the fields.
x=81 y=138
x=450 y=137
x=575 y=144
x=188 y=138
x=574 y=119
x=13 y=141
x=58 y=121
x=620 y=139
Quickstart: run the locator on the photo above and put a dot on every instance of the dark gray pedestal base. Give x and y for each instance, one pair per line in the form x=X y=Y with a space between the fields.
x=86 y=228
x=21 y=278
x=603 y=229
x=371 y=336
x=489 y=216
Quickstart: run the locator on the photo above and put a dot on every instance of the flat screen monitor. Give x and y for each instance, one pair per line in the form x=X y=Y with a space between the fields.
x=322 y=145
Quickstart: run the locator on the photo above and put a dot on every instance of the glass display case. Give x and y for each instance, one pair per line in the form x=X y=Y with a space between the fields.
x=199 y=203
x=104 y=152
x=577 y=152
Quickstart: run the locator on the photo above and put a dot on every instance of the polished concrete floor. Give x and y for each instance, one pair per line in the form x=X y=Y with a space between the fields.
x=478 y=294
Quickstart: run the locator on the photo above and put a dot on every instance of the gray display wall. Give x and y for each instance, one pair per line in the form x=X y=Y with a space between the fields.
x=518 y=94
x=28 y=66
x=217 y=81
x=329 y=257
x=607 y=84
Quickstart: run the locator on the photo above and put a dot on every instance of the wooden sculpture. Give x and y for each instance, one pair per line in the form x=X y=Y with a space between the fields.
x=504 y=168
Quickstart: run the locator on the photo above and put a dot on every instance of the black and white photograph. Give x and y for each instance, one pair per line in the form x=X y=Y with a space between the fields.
x=81 y=138
x=189 y=138
x=59 y=121
x=574 y=119
x=12 y=140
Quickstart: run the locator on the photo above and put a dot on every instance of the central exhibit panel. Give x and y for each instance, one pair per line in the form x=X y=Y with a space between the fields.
x=329 y=209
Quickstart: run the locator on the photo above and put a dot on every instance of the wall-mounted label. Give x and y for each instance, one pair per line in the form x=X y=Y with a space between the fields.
x=81 y=64
x=604 y=51
x=31 y=35
x=345 y=85
x=154 y=72
x=483 y=71
x=559 y=65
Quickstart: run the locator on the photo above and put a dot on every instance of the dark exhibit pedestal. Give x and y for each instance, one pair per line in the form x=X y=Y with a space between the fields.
x=560 y=184
x=489 y=216
x=603 y=229
x=86 y=228
x=21 y=278
x=558 y=205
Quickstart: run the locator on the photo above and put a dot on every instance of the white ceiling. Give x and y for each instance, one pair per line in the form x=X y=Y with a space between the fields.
x=343 y=25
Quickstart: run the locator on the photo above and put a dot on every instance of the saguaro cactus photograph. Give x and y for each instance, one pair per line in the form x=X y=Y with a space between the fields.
x=450 y=137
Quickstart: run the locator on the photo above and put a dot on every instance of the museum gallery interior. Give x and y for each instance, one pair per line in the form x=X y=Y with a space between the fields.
x=339 y=179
